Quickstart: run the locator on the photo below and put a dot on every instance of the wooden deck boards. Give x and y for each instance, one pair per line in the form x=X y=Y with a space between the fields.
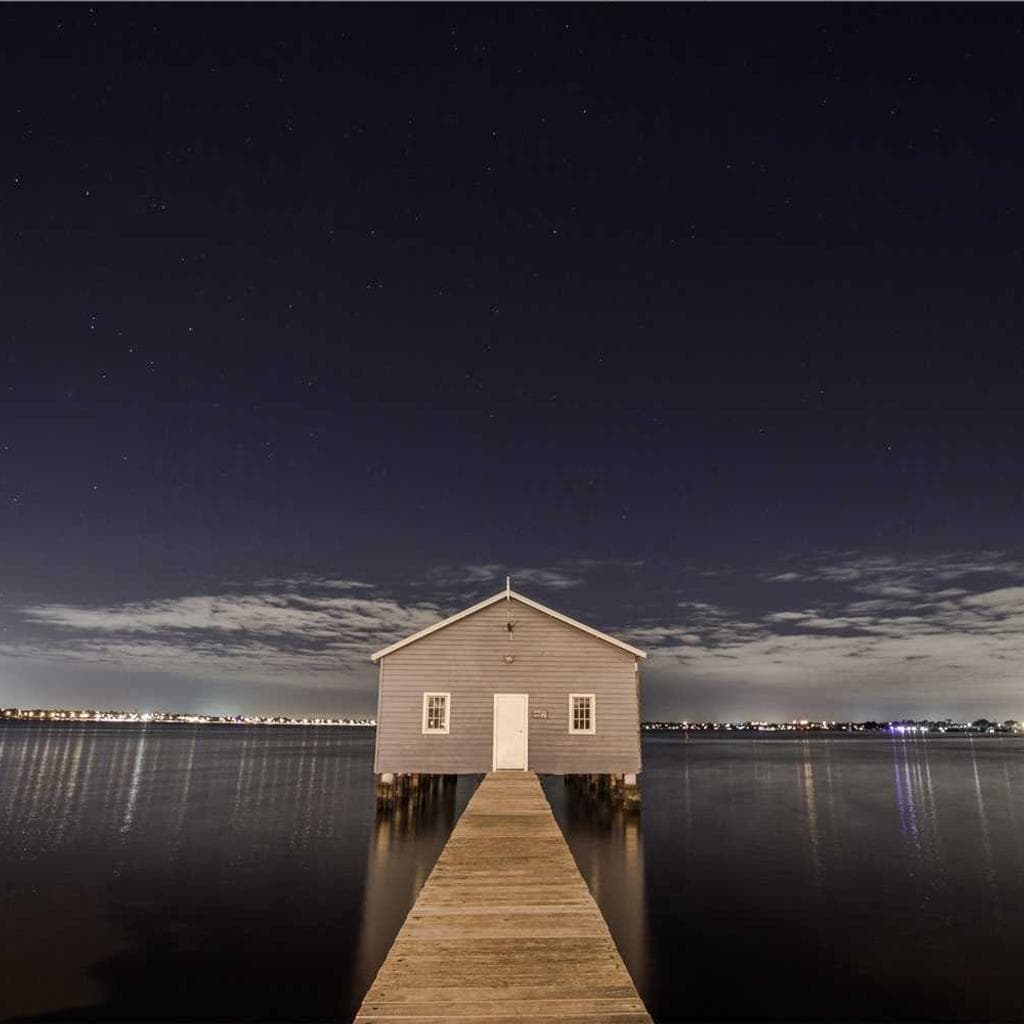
x=504 y=929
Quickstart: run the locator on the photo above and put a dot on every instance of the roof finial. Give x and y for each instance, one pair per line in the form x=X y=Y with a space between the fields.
x=508 y=586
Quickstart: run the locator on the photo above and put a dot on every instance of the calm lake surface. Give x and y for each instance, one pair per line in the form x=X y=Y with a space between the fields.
x=230 y=873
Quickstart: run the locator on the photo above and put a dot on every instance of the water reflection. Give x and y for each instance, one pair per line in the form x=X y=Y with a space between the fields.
x=133 y=857
x=805 y=771
x=687 y=803
x=914 y=793
x=184 y=767
x=986 y=837
x=243 y=874
x=133 y=784
x=406 y=840
x=906 y=802
x=608 y=845
x=848 y=877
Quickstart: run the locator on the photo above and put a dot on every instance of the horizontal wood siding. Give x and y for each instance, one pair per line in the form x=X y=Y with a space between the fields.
x=466 y=659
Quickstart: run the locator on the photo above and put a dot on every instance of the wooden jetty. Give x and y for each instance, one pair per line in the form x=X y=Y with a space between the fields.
x=504 y=929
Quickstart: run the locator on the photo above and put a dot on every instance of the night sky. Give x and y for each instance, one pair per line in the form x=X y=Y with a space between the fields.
x=704 y=322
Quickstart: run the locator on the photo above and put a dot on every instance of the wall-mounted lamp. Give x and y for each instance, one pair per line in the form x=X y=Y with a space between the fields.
x=509 y=658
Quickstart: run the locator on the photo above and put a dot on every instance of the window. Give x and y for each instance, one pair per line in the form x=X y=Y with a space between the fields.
x=581 y=712
x=435 y=712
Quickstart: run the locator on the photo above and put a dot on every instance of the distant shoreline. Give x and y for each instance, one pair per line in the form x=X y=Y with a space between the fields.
x=977 y=727
x=904 y=727
x=55 y=715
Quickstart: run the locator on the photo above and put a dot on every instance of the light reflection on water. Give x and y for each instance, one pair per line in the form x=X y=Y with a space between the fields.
x=608 y=845
x=198 y=873
x=821 y=877
x=806 y=782
x=242 y=874
x=404 y=844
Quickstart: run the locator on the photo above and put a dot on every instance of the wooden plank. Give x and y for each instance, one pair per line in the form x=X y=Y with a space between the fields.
x=505 y=929
x=529 y=1013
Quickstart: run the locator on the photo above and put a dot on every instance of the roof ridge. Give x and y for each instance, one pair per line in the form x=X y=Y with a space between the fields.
x=506 y=593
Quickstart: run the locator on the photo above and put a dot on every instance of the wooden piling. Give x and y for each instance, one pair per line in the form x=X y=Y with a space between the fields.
x=616 y=790
x=630 y=793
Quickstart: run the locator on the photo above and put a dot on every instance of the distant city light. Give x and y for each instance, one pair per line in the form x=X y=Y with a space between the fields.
x=921 y=727
x=905 y=728
x=168 y=717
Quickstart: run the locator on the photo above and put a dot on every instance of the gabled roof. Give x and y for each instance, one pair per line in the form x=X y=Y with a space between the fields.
x=503 y=595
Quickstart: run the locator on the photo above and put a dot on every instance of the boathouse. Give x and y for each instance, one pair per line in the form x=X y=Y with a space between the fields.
x=508 y=684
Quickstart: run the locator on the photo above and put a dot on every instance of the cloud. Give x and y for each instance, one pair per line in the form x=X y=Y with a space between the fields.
x=562 y=576
x=308 y=581
x=703 y=625
x=283 y=636
x=882 y=630
x=303 y=630
x=494 y=573
x=879 y=573
x=552 y=579
x=849 y=634
x=789 y=616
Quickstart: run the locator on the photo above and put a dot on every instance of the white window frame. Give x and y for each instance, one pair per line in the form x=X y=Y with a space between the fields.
x=593 y=715
x=447 y=713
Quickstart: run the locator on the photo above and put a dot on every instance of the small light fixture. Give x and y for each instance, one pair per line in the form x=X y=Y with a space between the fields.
x=509 y=658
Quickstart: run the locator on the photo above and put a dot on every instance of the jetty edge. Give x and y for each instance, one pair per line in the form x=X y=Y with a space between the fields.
x=505 y=928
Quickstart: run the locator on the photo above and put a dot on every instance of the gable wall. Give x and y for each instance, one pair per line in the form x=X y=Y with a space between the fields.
x=466 y=659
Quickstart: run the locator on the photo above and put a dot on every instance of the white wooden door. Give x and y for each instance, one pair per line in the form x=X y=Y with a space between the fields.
x=510 y=730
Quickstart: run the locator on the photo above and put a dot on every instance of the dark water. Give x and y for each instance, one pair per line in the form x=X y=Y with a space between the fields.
x=172 y=873
x=206 y=873
x=827 y=878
